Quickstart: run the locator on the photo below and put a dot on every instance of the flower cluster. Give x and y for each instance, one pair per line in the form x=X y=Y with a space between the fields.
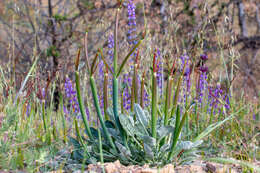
x=131 y=22
x=213 y=98
x=215 y=95
x=110 y=46
x=71 y=95
x=202 y=84
x=185 y=60
x=126 y=92
x=159 y=72
x=110 y=54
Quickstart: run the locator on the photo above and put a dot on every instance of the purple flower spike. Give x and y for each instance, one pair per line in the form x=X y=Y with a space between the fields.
x=110 y=47
x=203 y=57
x=254 y=117
x=131 y=34
x=159 y=72
x=126 y=92
x=185 y=89
x=227 y=104
x=131 y=13
x=202 y=82
x=71 y=95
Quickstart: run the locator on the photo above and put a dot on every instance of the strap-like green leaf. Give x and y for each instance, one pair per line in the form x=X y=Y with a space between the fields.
x=141 y=117
x=150 y=141
x=148 y=151
x=123 y=150
x=104 y=60
x=164 y=131
x=127 y=124
x=212 y=127
x=127 y=57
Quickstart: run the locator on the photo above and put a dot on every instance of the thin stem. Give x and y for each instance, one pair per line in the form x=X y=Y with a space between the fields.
x=154 y=104
x=167 y=99
x=105 y=94
x=43 y=116
x=98 y=110
x=142 y=91
x=115 y=109
x=79 y=137
x=115 y=42
x=81 y=106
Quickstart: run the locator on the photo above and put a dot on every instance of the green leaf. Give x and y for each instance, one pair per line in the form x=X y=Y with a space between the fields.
x=110 y=113
x=233 y=161
x=127 y=57
x=109 y=124
x=139 y=129
x=94 y=132
x=92 y=160
x=105 y=62
x=114 y=133
x=75 y=143
x=147 y=114
x=164 y=131
x=164 y=148
x=123 y=150
x=141 y=117
x=77 y=154
x=150 y=141
x=148 y=151
x=212 y=127
x=107 y=156
x=185 y=145
x=127 y=124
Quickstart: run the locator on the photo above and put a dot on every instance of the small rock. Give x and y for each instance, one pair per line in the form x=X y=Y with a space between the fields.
x=148 y=170
x=117 y=164
x=167 y=169
x=110 y=168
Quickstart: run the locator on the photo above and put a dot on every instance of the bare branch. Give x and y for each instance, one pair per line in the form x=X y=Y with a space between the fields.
x=242 y=18
x=257 y=18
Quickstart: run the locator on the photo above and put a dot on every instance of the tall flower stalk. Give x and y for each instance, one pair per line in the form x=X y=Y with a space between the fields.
x=71 y=95
x=154 y=96
x=202 y=84
x=126 y=92
x=159 y=72
x=131 y=35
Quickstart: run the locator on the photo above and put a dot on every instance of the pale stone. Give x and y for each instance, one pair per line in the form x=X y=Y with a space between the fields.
x=167 y=169
x=148 y=170
x=110 y=168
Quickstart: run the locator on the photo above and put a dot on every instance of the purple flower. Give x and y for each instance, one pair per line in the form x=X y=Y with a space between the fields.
x=227 y=104
x=110 y=46
x=131 y=34
x=88 y=116
x=204 y=69
x=146 y=99
x=126 y=92
x=110 y=54
x=187 y=81
x=203 y=57
x=213 y=98
x=71 y=95
x=159 y=72
x=28 y=109
x=202 y=84
x=254 y=116
x=43 y=92
x=65 y=110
